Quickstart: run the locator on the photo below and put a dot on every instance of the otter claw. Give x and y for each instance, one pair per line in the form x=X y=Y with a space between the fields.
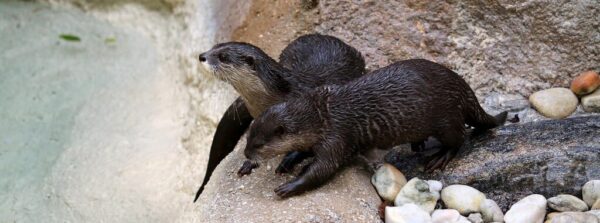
x=287 y=190
x=247 y=168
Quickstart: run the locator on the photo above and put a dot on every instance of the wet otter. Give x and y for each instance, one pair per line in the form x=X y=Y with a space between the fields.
x=307 y=62
x=405 y=102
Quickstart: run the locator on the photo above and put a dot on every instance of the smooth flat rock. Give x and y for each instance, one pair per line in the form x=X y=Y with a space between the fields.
x=545 y=157
x=348 y=197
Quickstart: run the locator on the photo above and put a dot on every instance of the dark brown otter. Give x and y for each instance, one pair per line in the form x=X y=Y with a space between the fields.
x=307 y=62
x=405 y=102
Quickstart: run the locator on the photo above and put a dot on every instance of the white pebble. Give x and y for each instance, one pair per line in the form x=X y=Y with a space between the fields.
x=531 y=209
x=491 y=212
x=388 y=181
x=448 y=216
x=463 y=198
x=408 y=213
x=418 y=192
x=591 y=192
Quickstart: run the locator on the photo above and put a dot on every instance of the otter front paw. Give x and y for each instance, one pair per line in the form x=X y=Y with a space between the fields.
x=247 y=168
x=288 y=189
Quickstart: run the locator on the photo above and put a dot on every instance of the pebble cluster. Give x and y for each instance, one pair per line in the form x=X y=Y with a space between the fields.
x=415 y=202
x=557 y=103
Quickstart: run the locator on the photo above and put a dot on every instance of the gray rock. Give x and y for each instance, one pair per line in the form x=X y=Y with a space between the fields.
x=591 y=192
x=591 y=102
x=505 y=102
x=545 y=157
x=491 y=212
x=531 y=209
x=572 y=217
x=463 y=198
x=515 y=104
x=388 y=181
x=565 y=202
x=418 y=192
x=555 y=103
x=506 y=50
x=475 y=218
x=408 y=213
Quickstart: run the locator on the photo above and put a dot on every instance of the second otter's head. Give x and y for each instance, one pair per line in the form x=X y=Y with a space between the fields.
x=285 y=127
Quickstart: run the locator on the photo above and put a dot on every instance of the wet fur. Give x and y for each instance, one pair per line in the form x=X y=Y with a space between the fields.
x=405 y=102
x=307 y=62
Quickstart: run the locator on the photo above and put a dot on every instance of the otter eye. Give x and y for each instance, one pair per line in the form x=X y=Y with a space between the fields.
x=249 y=61
x=223 y=58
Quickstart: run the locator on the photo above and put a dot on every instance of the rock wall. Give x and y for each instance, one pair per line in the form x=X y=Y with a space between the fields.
x=496 y=45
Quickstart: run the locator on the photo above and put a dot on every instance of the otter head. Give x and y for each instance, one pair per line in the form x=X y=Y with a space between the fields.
x=282 y=128
x=254 y=75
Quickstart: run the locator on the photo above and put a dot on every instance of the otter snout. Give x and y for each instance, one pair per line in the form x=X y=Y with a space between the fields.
x=202 y=57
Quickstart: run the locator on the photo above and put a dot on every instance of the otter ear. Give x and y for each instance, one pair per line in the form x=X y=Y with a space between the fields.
x=279 y=130
x=249 y=60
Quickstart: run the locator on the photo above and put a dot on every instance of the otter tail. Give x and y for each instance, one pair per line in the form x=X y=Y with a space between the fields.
x=483 y=121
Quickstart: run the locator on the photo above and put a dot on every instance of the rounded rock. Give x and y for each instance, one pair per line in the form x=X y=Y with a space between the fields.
x=448 y=216
x=585 y=83
x=565 y=202
x=388 y=181
x=591 y=192
x=573 y=217
x=594 y=212
x=408 y=213
x=591 y=102
x=463 y=198
x=491 y=212
x=475 y=218
x=417 y=191
x=596 y=205
x=531 y=209
x=555 y=103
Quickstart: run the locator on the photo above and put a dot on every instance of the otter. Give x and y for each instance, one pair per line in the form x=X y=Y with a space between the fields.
x=307 y=62
x=405 y=102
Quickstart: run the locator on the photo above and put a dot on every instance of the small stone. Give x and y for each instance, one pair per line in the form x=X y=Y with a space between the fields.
x=573 y=217
x=555 y=103
x=475 y=218
x=448 y=216
x=463 y=198
x=531 y=209
x=565 y=202
x=418 y=192
x=591 y=102
x=591 y=192
x=388 y=181
x=585 y=83
x=408 y=213
x=435 y=185
x=491 y=212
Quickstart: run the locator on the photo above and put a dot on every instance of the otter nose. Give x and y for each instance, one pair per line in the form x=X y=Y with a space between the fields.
x=202 y=57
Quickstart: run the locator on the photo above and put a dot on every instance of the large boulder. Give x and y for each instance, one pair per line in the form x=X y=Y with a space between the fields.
x=348 y=197
x=544 y=157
